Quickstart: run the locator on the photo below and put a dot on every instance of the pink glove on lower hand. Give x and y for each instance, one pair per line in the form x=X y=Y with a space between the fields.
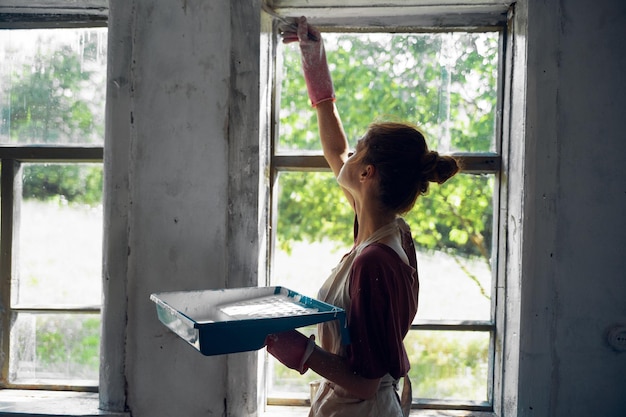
x=316 y=73
x=291 y=348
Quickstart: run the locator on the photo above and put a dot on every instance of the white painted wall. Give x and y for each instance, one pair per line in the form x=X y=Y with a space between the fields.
x=176 y=150
x=574 y=279
x=169 y=206
x=179 y=188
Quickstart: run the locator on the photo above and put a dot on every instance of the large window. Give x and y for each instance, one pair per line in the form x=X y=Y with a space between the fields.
x=447 y=83
x=51 y=144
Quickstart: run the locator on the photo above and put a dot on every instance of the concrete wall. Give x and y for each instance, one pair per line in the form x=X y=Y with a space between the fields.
x=182 y=213
x=181 y=160
x=574 y=280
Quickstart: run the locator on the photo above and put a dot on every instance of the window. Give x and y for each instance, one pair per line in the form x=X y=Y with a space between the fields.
x=51 y=146
x=447 y=81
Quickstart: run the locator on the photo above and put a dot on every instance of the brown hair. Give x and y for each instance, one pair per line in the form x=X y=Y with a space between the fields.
x=404 y=164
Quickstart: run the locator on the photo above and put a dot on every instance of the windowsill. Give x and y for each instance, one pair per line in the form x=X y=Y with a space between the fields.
x=284 y=411
x=22 y=403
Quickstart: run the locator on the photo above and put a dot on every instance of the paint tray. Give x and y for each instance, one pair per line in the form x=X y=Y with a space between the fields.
x=224 y=321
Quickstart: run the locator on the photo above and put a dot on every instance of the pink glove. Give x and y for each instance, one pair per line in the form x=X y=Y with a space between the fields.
x=292 y=348
x=316 y=73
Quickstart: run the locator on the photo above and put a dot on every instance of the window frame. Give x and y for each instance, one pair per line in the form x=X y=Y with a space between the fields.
x=413 y=19
x=14 y=15
x=11 y=158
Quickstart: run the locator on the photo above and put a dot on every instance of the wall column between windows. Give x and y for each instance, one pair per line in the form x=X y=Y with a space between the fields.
x=167 y=199
x=116 y=202
x=245 y=220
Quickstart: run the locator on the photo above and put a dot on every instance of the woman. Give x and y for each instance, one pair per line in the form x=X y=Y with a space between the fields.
x=376 y=282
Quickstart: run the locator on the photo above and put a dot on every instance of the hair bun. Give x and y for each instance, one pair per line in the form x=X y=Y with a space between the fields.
x=439 y=168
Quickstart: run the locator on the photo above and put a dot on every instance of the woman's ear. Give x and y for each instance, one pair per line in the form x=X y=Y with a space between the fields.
x=367 y=172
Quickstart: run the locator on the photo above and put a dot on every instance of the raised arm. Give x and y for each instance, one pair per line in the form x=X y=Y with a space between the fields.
x=332 y=135
x=321 y=92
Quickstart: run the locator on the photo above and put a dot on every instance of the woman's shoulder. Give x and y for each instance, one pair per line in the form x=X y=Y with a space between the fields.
x=379 y=255
x=374 y=251
x=380 y=270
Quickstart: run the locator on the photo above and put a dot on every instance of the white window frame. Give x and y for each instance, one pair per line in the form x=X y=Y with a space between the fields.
x=435 y=16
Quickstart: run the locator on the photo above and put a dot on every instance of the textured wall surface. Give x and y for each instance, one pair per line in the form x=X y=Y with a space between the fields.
x=169 y=161
x=574 y=284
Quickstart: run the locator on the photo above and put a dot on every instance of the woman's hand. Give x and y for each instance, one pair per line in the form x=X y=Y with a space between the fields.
x=291 y=348
x=316 y=73
x=296 y=351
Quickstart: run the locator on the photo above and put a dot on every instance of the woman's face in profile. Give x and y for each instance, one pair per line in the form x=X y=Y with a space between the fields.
x=349 y=174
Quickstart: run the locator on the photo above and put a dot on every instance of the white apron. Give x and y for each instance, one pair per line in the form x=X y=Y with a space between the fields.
x=331 y=400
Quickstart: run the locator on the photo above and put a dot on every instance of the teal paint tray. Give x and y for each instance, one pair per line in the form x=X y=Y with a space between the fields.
x=217 y=322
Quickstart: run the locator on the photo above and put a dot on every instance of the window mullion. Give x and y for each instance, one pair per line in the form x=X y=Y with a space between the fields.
x=58 y=310
x=471 y=163
x=457 y=325
x=53 y=153
x=10 y=170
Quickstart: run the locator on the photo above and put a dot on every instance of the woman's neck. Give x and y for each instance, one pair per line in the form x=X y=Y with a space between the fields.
x=370 y=220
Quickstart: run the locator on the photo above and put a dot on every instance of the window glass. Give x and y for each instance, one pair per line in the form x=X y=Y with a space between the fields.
x=312 y=215
x=55 y=348
x=451 y=227
x=60 y=236
x=445 y=83
x=452 y=230
x=52 y=86
x=52 y=96
x=449 y=365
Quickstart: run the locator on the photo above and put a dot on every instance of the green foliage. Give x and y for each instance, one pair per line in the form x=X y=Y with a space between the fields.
x=445 y=84
x=48 y=103
x=455 y=217
x=304 y=202
x=72 y=343
x=74 y=183
x=56 y=96
x=448 y=365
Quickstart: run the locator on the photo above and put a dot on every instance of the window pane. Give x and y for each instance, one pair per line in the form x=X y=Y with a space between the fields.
x=452 y=229
x=53 y=86
x=448 y=365
x=55 y=348
x=314 y=230
x=446 y=83
x=60 y=236
x=451 y=225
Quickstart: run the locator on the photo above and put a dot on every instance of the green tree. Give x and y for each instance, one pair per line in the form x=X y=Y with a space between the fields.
x=68 y=343
x=50 y=99
x=74 y=183
x=56 y=96
x=445 y=84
